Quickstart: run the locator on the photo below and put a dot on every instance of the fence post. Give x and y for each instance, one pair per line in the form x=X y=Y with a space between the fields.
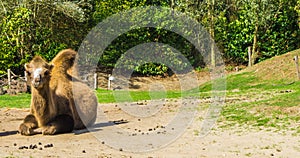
x=8 y=78
x=296 y=59
x=95 y=81
x=249 y=57
x=25 y=76
x=108 y=84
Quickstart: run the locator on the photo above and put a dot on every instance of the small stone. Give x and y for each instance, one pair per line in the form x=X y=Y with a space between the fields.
x=272 y=154
x=120 y=149
x=83 y=151
x=103 y=142
x=40 y=143
x=15 y=144
x=40 y=148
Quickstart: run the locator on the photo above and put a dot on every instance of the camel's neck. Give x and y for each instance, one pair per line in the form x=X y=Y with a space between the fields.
x=40 y=93
x=42 y=106
x=40 y=100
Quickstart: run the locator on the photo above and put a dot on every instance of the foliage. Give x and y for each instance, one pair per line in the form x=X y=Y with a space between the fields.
x=282 y=35
x=138 y=36
x=237 y=36
x=276 y=34
x=297 y=9
x=44 y=27
x=39 y=27
x=14 y=43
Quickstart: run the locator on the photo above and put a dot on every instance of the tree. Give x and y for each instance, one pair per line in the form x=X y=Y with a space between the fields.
x=32 y=27
x=259 y=13
x=268 y=28
x=297 y=9
x=14 y=42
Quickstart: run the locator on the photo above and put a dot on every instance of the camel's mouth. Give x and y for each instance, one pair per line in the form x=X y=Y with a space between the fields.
x=36 y=84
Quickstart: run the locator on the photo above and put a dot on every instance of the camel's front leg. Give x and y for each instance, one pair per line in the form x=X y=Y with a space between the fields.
x=60 y=124
x=29 y=123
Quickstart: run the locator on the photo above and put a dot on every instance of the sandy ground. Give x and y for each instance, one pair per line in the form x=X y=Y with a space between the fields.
x=146 y=132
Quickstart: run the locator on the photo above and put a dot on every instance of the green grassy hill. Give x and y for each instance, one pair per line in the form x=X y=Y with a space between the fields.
x=265 y=95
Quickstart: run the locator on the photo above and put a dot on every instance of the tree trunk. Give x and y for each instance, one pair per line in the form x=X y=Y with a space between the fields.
x=172 y=4
x=19 y=42
x=212 y=31
x=254 y=55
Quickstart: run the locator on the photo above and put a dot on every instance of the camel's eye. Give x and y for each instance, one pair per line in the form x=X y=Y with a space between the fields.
x=46 y=73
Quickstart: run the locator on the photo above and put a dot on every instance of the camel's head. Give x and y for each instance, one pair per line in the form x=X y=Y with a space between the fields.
x=38 y=72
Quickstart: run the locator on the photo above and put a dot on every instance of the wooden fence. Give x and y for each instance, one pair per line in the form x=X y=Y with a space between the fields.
x=13 y=84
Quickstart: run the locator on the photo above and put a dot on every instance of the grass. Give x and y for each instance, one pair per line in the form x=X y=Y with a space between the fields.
x=15 y=101
x=277 y=106
x=109 y=96
x=104 y=96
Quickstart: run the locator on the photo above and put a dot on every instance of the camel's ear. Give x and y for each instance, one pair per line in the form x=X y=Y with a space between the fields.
x=51 y=66
x=27 y=67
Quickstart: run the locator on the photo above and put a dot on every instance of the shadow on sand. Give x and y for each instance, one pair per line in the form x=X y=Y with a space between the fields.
x=97 y=126
x=8 y=133
x=94 y=128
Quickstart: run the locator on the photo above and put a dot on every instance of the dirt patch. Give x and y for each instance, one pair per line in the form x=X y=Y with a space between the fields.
x=144 y=83
x=235 y=142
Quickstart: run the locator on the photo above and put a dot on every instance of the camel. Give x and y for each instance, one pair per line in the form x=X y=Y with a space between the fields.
x=60 y=102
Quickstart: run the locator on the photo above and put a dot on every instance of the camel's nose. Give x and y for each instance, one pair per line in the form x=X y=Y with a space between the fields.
x=37 y=78
x=36 y=81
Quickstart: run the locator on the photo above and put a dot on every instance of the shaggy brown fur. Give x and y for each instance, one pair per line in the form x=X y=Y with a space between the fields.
x=66 y=60
x=58 y=104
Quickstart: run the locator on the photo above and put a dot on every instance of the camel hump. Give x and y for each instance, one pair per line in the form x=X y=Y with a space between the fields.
x=65 y=59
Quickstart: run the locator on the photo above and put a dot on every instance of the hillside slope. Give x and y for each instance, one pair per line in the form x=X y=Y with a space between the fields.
x=280 y=68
